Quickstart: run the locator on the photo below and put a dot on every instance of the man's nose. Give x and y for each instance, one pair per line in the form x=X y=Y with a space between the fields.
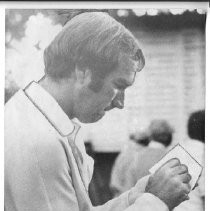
x=118 y=101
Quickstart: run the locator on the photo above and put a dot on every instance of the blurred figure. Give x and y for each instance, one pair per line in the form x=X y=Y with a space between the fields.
x=141 y=138
x=195 y=146
x=120 y=181
x=134 y=164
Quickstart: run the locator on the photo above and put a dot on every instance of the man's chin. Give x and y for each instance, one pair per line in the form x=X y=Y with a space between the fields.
x=97 y=117
x=94 y=118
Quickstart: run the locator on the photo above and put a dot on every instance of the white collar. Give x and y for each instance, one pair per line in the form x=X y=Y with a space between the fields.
x=50 y=108
x=156 y=145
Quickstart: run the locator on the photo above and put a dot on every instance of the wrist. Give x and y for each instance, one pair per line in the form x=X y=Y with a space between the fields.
x=138 y=189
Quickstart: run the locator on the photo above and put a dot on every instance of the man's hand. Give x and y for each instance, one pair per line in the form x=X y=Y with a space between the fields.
x=170 y=183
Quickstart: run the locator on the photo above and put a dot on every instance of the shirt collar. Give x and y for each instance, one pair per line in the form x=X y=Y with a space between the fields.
x=50 y=109
x=156 y=145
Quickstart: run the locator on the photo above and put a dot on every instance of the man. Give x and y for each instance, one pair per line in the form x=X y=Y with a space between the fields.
x=87 y=68
x=160 y=136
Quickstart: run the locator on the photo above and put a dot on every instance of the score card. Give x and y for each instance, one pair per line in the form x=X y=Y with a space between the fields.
x=194 y=168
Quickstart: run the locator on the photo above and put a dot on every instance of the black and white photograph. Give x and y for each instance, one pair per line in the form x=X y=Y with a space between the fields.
x=104 y=108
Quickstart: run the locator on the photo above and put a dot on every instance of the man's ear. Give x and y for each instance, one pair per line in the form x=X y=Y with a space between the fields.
x=83 y=75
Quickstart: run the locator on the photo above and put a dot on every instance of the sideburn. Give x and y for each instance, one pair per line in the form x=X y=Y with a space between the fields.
x=96 y=84
x=100 y=69
x=98 y=77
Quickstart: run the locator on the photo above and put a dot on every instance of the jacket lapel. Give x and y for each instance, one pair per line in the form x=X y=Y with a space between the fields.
x=79 y=161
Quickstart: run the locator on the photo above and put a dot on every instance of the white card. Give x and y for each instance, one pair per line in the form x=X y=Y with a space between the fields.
x=194 y=168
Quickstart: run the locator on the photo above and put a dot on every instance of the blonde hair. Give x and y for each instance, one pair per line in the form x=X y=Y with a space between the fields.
x=92 y=39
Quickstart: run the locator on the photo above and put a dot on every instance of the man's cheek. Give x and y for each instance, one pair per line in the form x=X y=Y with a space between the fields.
x=96 y=84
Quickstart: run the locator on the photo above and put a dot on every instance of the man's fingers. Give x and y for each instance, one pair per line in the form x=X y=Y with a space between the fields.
x=186 y=188
x=196 y=185
x=171 y=163
x=185 y=178
x=186 y=197
x=181 y=169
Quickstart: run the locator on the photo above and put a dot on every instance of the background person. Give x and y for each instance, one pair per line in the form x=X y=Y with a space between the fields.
x=196 y=147
x=160 y=137
x=120 y=176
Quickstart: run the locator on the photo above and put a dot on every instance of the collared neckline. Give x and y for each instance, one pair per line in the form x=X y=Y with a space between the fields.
x=50 y=109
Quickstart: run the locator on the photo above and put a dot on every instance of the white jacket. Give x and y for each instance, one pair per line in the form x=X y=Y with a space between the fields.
x=42 y=170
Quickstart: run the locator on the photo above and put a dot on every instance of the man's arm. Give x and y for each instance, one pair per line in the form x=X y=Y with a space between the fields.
x=164 y=190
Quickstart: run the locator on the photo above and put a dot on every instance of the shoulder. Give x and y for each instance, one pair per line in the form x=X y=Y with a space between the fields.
x=27 y=129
